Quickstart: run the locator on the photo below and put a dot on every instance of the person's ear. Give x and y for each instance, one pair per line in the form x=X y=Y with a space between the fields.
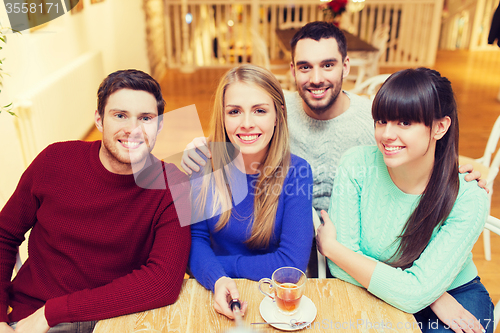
x=98 y=121
x=292 y=69
x=346 y=67
x=441 y=126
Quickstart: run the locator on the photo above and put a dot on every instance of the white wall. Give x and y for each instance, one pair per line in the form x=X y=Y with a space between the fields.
x=116 y=28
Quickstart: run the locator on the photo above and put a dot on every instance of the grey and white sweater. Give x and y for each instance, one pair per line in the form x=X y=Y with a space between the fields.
x=322 y=142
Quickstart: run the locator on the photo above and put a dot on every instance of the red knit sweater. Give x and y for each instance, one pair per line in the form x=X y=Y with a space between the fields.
x=100 y=246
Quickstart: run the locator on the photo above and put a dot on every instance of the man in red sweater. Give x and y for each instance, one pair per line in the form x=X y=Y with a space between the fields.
x=105 y=234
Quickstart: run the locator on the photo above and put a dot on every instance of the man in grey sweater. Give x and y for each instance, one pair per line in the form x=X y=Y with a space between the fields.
x=323 y=120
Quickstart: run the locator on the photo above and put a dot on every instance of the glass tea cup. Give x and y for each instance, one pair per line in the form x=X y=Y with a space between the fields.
x=287 y=287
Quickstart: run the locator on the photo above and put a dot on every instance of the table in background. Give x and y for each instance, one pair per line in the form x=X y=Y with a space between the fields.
x=339 y=304
x=354 y=43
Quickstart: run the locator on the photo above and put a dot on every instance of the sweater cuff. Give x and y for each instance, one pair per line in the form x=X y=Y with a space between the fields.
x=56 y=311
x=380 y=281
x=380 y=286
x=211 y=277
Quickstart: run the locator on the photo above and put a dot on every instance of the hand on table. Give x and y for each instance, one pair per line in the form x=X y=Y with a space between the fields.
x=191 y=160
x=35 y=323
x=5 y=328
x=225 y=289
x=453 y=314
x=473 y=175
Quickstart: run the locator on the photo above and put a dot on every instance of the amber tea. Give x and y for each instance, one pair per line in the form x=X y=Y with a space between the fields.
x=288 y=297
x=287 y=286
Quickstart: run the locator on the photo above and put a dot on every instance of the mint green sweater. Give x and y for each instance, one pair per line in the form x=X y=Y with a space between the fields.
x=369 y=212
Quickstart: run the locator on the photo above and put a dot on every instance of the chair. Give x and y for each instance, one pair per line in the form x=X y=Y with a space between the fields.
x=489 y=171
x=361 y=65
x=370 y=86
x=367 y=65
x=260 y=57
x=493 y=224
x=379 y=40
x=321 y=258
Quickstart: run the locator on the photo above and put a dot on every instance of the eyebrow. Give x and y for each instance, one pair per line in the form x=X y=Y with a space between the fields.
x=330 y=60
x=237 y=106
x=141 y=114
x=303 y=62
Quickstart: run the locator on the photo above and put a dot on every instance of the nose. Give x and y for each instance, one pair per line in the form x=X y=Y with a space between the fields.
x=389 y=132
x=248 y=121
x=132 y=125
x=316 y=77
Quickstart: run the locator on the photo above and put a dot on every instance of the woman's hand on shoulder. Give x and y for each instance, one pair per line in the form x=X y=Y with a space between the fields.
x=473 y=175
x=224 y=291
x=454 y=315
x=191 y=160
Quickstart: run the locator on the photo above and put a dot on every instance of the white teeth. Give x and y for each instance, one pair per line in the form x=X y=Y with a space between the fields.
x=130 y=144
x=392 y=148
x=318 y=92
x=248 y=137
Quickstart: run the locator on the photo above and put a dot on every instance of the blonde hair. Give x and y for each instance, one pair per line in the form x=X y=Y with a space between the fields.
x=272 y=170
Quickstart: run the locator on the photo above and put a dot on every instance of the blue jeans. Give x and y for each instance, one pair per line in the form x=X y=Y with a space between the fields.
x=473 y=297
x=79 y=327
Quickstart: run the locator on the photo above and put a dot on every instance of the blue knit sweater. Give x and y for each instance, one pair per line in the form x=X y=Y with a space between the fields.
x=224 y=253
x=370 y=211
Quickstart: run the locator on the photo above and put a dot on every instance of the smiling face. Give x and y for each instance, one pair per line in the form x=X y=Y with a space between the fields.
x=249 y=120
x=319 y=70
x=129 y=129
x=405 y=144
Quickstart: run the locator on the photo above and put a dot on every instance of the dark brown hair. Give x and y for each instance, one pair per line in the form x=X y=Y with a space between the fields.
x=422 y=95
x=318 y=30
x=128 y=79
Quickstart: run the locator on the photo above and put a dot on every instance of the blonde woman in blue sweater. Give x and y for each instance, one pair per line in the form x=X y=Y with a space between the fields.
x=252 y=202
x=404 y=219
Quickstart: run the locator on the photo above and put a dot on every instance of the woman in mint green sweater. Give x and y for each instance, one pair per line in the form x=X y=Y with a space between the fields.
x=404 y=219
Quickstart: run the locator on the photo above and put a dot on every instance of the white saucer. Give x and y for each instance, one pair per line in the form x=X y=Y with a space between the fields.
x=269 y=312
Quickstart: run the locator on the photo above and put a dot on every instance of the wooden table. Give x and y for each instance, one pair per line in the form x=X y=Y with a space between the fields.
x=341 y=306
x=354 y=43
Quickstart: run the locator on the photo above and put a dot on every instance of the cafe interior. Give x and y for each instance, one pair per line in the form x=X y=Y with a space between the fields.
x=51 y=70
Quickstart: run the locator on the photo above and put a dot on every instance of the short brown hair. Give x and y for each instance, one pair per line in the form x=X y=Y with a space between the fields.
x=128 y=79
x=320 y=30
